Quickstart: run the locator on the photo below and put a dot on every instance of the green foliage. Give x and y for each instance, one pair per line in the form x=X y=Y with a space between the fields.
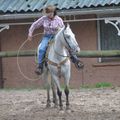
x=97 y=85
x=103 y=84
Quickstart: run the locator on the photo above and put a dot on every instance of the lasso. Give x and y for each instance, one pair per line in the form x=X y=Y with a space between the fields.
x=19 y=68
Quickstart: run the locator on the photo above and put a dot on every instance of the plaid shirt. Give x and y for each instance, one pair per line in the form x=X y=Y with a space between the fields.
x=50 y=26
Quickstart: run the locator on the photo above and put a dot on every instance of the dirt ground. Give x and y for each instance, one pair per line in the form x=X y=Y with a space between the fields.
x=86 y=104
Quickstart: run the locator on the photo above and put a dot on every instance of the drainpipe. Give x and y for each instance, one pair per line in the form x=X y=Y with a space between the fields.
x=1 y=71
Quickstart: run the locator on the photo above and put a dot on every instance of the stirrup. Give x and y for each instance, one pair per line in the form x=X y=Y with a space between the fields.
x=79 y=65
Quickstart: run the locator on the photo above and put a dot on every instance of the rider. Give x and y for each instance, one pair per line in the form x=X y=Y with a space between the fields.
x=51 y=23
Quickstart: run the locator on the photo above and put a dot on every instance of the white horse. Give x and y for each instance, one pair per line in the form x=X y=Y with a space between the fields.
x=59 y=64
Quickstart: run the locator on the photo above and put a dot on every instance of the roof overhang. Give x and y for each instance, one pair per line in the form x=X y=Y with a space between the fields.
x=85 y=11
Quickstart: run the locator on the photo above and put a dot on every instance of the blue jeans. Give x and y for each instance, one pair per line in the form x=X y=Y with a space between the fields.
x=43 y=46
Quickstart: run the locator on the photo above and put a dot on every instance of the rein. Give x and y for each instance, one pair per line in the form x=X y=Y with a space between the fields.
x=69 y=49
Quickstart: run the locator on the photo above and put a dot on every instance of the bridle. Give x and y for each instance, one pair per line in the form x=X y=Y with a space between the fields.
x=58 y=65
x=69 y=48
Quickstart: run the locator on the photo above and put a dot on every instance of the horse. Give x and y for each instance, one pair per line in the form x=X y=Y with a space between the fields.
x=59 y=65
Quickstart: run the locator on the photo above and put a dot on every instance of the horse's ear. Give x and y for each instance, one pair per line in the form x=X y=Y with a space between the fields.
x=67 y=25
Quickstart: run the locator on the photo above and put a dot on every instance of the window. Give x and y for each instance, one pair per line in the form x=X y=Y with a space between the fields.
x=109 y=39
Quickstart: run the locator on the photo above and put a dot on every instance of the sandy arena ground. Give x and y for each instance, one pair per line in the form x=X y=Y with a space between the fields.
x=86 y=104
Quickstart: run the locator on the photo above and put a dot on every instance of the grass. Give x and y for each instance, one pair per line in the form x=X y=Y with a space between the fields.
x=103 y=84
x=98 y=85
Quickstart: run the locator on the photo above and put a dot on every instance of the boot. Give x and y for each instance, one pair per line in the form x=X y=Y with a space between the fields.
x=39 y=69
x=78 y=64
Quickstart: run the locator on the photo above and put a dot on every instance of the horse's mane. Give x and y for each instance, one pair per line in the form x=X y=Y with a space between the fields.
x=59 y=32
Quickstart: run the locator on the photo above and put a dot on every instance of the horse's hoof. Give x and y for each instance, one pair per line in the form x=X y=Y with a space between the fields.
x=68 y=111
x=55 y=106
x=61 y=111
x=48 y=105
x=67 y=108
x=61 y=108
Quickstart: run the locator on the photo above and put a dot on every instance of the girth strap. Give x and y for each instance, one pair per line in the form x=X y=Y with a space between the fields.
x=58 y=65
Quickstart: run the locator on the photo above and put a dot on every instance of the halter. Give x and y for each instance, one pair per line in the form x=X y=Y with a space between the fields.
x=69 y=48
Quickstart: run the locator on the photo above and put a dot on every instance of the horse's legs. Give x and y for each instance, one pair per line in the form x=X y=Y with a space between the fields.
x=59 y=92
x=48 y=96
x=54 y=93
x=47 y=83
x=67 y=96
x=66 y=90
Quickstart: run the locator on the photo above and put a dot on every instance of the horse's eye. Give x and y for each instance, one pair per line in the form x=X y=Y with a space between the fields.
x=68 y=37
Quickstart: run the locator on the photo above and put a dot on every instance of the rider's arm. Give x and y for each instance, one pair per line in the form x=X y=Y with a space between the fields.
x=60 y=22
x=36 y=25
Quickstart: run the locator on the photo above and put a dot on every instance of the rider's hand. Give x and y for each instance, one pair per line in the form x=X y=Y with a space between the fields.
x=29 y=38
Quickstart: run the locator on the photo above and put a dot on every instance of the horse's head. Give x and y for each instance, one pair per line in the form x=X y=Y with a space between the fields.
x=69 y=39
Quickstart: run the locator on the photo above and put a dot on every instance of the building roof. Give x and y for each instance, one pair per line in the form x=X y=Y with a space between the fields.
x=37 y=5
